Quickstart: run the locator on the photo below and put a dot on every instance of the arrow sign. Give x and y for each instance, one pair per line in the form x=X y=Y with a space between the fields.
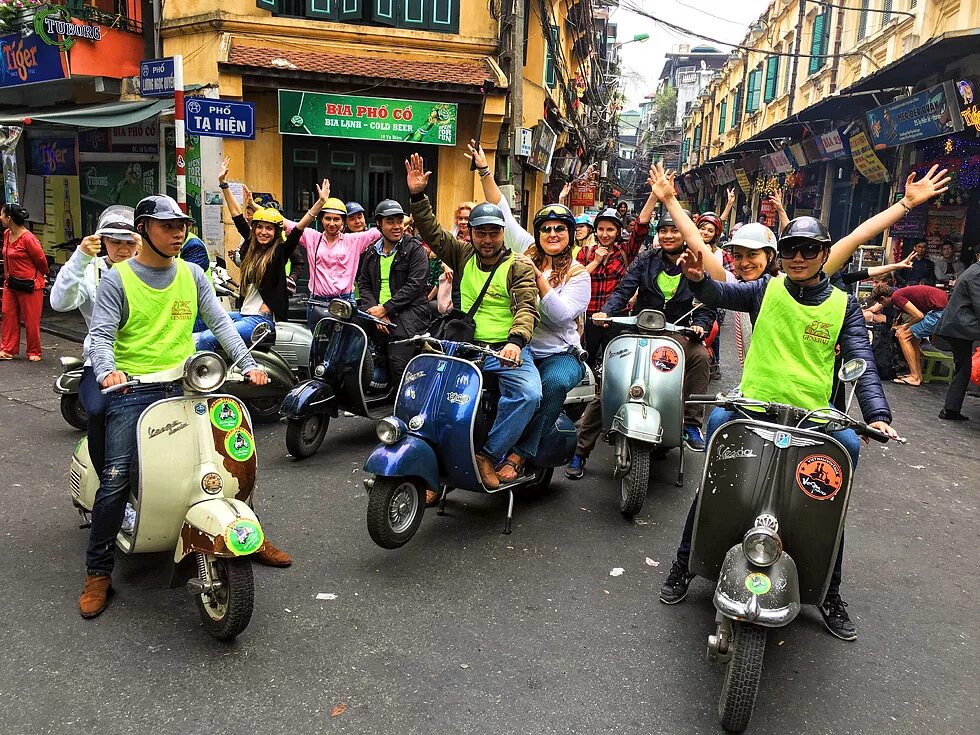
x=219 y=118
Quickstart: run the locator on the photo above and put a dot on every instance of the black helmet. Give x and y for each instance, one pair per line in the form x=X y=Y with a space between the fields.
x=354 y=208
x=609 y=215
x=556 y=212
x=387 y=208
x=160 y=207
x=486 y=214
x=668 y=221
x=803 y=230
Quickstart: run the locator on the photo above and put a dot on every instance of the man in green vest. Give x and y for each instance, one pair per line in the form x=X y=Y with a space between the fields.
x=142 y=325
x=505 y=318
x=800 y=320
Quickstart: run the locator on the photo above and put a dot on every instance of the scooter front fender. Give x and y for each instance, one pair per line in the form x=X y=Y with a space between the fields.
x=210 y=524
x=408 y=457
x=766 y=596
x=281 y=378
x=638 y=421
x=309 y=398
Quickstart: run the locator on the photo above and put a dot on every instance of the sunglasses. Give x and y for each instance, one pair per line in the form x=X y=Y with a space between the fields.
x=808 y=251
x=558 y=229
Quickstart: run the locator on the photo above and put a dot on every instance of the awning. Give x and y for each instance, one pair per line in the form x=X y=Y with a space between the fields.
x=108 y=115
x=932 y=56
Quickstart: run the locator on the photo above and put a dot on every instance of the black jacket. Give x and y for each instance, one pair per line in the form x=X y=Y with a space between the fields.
x=408 y=282
x=961 y=317
x=273 y=285
x=852 y=340
x=642 y=275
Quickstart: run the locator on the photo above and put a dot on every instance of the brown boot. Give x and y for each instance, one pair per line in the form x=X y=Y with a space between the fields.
x=95 y=596
x=270 y=556
x=487 y=472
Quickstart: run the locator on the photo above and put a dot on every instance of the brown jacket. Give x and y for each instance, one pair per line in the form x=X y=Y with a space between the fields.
x=521 y=283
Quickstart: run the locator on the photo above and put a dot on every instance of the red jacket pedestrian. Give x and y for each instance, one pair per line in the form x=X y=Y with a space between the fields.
x=25 y=263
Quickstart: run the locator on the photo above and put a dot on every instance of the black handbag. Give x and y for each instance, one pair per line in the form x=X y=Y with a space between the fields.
x=24 y=285
x=459 y=326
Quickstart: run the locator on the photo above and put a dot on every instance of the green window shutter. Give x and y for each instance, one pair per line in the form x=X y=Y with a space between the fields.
x=752 y=96
x=722 y=116
x=863 y=20
x=271 y=5
x=350 y=9
x=772 y=76
x=887 y=15
x=413 y=13
x=818 y=43
x=685 y=147
x=697 y=139
x=384 y=12
x=736 y=105
x=321 y=9
x=445 y=16
x=553 y=48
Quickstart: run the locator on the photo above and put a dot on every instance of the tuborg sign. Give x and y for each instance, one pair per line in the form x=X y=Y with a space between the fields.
x=54 y=20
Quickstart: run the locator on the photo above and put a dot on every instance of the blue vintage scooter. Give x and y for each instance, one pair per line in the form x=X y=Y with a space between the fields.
x=443 y=410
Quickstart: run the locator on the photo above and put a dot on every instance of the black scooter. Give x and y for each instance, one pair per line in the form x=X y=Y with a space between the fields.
x=770 y=516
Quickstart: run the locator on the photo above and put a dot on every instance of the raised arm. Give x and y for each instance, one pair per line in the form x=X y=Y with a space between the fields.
x=729 y=205
x=916 y=192
x=777 y=203
x=233 y=207
x=491 y=191
x=450 y=250
x=323 y=192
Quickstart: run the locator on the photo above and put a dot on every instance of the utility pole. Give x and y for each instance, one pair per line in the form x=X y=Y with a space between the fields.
x=512 y=40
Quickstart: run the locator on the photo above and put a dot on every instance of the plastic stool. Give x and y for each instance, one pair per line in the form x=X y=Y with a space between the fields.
x=938 y=367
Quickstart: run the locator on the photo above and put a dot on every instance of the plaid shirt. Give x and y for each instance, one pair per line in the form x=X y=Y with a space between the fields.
x=606 y=276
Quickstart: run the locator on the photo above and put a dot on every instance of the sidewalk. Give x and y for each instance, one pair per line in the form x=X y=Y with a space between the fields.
x=67 y=325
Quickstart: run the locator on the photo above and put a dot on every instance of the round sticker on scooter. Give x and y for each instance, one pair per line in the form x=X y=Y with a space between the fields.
x=819 y=477
x=239 y=445
x=244 y=536
x=665 y=359
x=758 y=583
x=226 y=415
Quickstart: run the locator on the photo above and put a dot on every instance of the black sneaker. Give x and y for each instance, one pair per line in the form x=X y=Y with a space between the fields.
x=576 y=468
x=675 y=588
x=952 y=416
x=836 y=619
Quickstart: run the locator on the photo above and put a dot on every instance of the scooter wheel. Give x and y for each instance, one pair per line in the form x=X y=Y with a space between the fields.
x=742 y=676
x=304 y=436
x=226 y=612
x=395 y=509
x=633 y=486
x=73 y=411
x=264 y=410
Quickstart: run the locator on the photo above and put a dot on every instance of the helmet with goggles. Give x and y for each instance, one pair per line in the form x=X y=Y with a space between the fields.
x=553 y=212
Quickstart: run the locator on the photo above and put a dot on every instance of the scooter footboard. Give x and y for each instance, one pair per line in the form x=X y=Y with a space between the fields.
x=309 y=398
x=558 y=444
x=766 y=596
x=221 y=527
x=638 y=421
x=408 y=457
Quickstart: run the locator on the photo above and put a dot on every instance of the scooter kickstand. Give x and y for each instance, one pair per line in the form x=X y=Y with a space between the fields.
x=510 y=512
x=442 y=500
x=680 y=469
x=86 y=519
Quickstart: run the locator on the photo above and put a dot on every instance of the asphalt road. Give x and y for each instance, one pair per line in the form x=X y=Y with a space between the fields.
x=466 y=630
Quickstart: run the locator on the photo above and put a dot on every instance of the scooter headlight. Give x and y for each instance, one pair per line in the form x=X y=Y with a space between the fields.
x=204 y=372
x=762 y=546
x=340 y=309
x=651 y=319
x=636 y=392
x=390 y=430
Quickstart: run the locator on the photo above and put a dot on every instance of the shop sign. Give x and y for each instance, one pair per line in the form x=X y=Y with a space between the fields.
x=55 y=20
x=367 y=118
x=582 y=194
x=743 y=180
x=542 y=147
x=831 y=145
x=727 y=174
x=928 y=114
x=945 y=223
x=811 y=150
x=912 y=225
x=778 y=162
x=25 y=60
x=527 y=136
x=866 y=160
x=969 y=97
x=799 y=157
x=52 y=157
x=157 y=77
x=219 y=118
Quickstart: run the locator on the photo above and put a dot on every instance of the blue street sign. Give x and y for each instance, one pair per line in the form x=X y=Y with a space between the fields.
x=157 y=77
x=219 y=118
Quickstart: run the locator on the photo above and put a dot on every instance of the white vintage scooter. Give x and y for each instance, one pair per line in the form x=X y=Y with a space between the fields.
x=192 y=489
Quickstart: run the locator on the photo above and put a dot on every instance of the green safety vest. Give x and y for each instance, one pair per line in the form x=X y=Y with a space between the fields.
x=493 y=318
x=668 y=284
x=791 y=358
x=386 y=261
x=158 y=335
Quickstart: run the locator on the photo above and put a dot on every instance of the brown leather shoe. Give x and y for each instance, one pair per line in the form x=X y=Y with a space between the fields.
x=270 y=556
x=95 y=596
x=431 y=498
x=487 y=473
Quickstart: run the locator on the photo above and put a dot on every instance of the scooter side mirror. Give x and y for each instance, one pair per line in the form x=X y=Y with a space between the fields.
x=261 y=331
x=852 y=370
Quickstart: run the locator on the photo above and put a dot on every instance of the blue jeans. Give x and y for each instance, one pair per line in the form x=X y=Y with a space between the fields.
x=122 y=415
x=90 y=394
x=244 y=324
x=520 y=395
x=924 y=328
x=559 y=374
x=847 y=437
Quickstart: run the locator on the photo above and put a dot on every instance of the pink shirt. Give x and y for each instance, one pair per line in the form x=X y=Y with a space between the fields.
x=333 y=265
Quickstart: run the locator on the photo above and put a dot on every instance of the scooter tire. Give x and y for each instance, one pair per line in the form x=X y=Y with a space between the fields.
x=227 y=612
x=264 y=410
x=73 y=411
x=633 y=486
x=395 y=509
x=304 y=436
x=742 y=676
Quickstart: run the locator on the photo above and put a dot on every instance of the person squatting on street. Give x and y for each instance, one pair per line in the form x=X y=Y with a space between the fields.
x=922 y=307
x=142 y=324
x=75 y=288
x=791 y=362
x=25 y=268
x=564 y=291
x=505 y=319
x=392 y=283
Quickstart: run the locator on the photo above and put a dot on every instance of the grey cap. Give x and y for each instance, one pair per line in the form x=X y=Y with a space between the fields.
x=486 y=214
x=117 y=222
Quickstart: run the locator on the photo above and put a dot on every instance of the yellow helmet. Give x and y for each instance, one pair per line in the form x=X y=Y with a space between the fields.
x=335 y=206
x=268 y=214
